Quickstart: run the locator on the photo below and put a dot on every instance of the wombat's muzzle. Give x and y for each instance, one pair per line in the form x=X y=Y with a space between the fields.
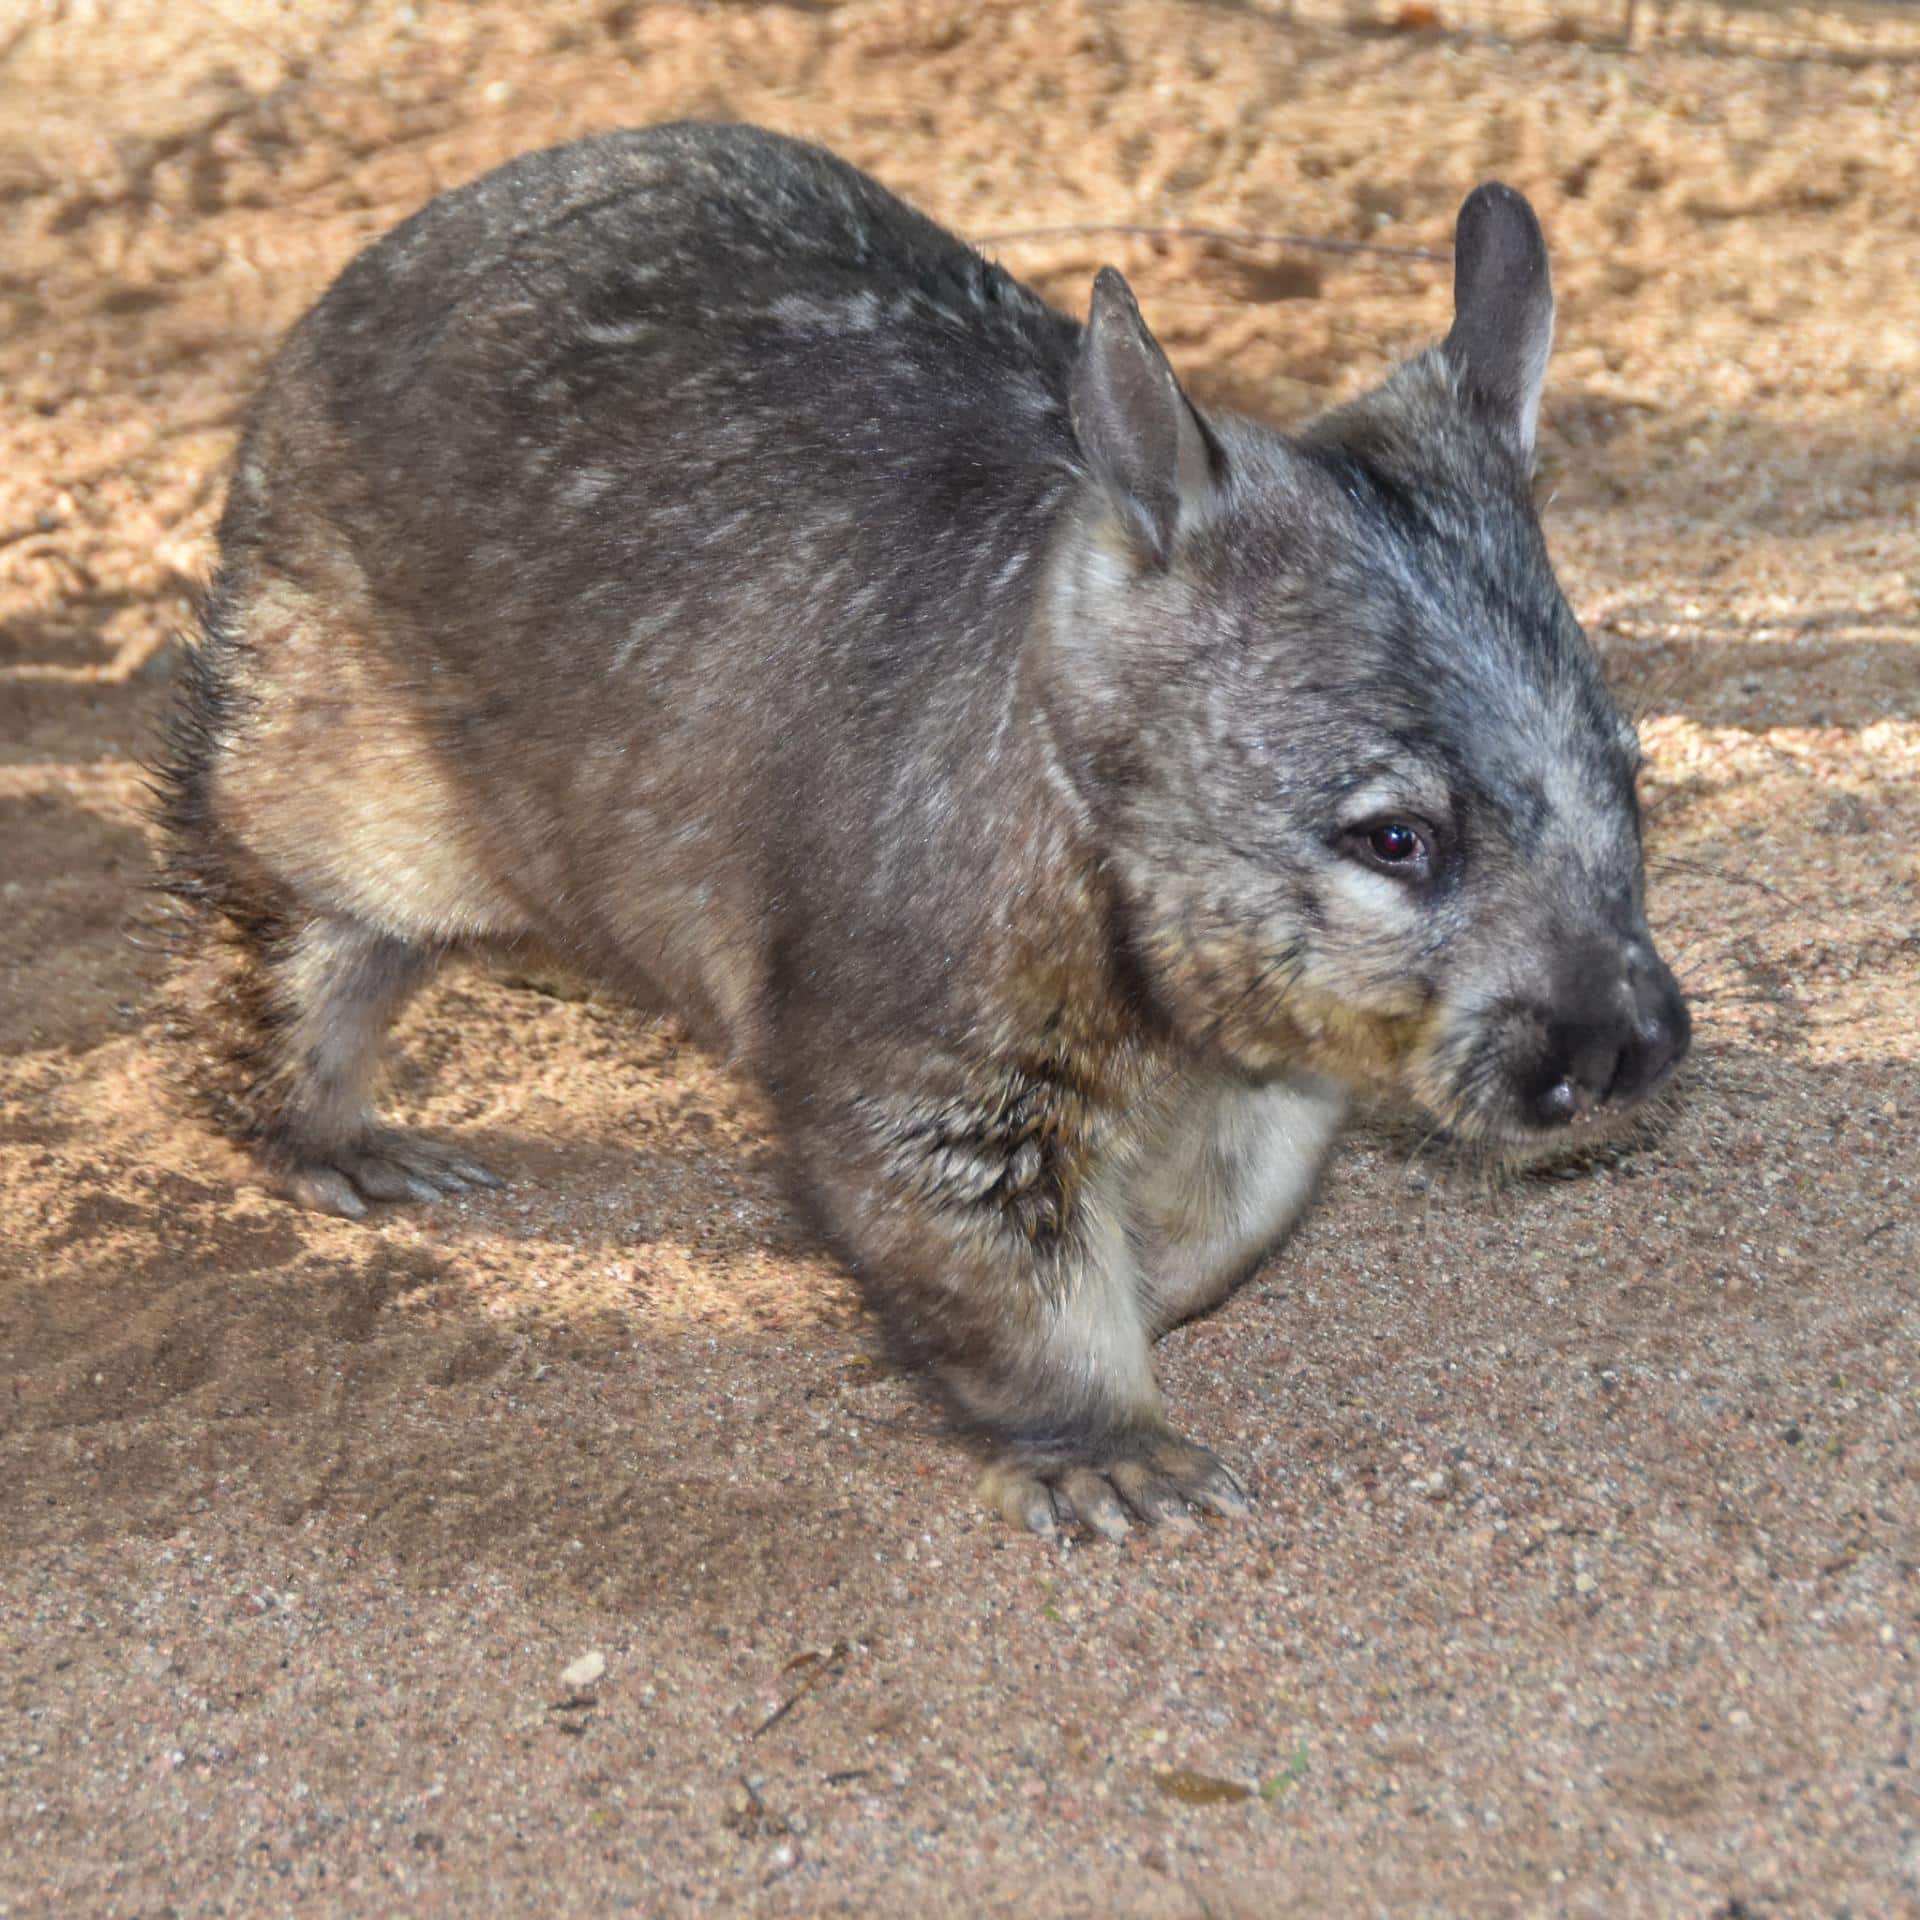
x=1618 y=1029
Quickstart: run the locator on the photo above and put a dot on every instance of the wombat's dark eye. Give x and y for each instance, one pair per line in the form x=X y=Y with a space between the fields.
x=1404 y=848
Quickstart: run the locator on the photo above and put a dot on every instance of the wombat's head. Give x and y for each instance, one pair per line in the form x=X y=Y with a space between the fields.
x=1369 y=807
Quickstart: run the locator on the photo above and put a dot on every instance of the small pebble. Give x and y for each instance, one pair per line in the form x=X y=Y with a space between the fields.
x=584 y=1671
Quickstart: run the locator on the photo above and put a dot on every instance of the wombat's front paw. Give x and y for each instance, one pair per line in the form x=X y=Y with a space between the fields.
x=1155 y=1477
x=382 y=1166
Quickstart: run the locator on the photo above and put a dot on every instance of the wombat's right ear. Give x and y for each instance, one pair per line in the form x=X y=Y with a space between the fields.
x=1502 y=309
x=1136 y=427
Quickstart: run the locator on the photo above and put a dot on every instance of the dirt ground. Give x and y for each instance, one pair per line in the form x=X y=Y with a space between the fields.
x=1582 y=1579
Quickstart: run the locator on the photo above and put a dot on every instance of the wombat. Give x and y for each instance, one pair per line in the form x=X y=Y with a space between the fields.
x=675 y=554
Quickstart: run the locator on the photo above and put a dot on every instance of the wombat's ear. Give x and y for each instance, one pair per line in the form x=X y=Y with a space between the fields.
x=1136 y=427
x=1502 y=309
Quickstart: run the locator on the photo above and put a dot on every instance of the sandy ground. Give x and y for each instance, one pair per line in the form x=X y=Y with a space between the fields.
x=1583 y=1575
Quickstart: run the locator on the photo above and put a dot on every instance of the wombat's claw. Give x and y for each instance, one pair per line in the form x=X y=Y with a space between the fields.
x=384 y=1166
x=1157 y=1482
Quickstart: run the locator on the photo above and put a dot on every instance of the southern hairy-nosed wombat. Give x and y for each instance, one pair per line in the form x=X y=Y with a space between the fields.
x=674 y=553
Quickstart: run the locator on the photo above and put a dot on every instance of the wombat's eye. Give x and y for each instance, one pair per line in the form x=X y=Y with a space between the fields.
x=1399 y=847
x=1394 y=843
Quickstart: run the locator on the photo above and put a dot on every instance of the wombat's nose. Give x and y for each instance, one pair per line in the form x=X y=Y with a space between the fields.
x=1613 y=1062
x=1662 y=1032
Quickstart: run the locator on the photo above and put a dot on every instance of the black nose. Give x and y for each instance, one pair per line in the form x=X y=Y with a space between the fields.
x=1613 y=1053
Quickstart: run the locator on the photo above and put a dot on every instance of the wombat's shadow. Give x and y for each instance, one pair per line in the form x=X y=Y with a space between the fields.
x=400 y=1383
x=672 y=1145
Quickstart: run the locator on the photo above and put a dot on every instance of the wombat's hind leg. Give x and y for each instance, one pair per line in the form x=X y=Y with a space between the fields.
x=293 y=1011
x=387 y=1164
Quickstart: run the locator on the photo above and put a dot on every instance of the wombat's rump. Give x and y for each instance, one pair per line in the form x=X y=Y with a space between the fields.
x=673 y=553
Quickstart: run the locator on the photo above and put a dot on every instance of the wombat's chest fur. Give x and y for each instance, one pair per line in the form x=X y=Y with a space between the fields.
x=675 y=553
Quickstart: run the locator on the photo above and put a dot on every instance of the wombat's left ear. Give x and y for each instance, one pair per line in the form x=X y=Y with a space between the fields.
x=1502 y=309
x=1146 y=445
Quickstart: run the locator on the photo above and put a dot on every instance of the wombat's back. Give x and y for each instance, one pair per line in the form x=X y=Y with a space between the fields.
x=686 y=340
x=626 y=532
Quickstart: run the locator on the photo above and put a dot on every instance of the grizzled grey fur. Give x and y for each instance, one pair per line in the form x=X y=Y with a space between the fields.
x=673 y=553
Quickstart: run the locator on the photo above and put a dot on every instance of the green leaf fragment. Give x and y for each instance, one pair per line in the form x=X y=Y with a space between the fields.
x=1275 y=1784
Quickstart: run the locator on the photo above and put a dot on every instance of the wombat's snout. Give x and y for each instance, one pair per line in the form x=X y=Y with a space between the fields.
x=1618 y=1028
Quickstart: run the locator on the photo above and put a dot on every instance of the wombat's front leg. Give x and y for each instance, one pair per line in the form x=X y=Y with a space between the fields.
x=991 y=1237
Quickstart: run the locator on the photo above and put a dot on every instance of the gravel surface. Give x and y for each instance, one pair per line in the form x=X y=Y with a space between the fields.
x=571 y=1550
